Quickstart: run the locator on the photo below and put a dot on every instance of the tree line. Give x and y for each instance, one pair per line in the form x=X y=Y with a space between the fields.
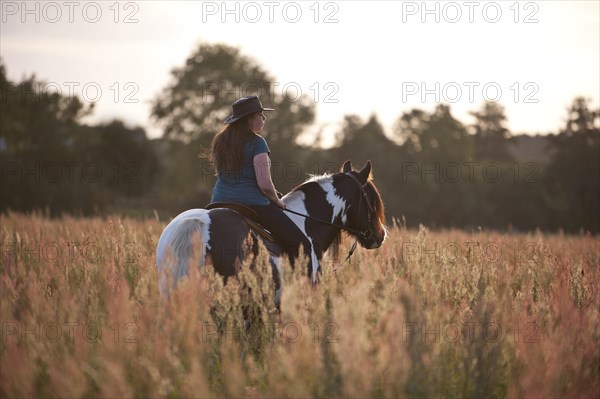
x=431 y=168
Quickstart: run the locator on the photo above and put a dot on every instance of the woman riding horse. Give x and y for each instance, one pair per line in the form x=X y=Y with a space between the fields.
x=240 y=156
x=316 y=212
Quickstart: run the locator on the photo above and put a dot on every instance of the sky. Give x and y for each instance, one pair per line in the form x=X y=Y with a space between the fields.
x=348 y=57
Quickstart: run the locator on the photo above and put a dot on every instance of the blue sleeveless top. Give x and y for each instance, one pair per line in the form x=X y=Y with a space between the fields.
x=241 y=186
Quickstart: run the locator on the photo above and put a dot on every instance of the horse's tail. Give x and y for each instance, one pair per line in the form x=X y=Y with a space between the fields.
x=176 y=246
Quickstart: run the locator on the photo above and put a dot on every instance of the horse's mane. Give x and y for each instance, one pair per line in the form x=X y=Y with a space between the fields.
x=311 y=179
x=378 y=202
x=318 y=178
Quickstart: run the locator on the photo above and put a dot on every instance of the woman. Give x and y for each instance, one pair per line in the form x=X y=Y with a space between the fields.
x=241 y=160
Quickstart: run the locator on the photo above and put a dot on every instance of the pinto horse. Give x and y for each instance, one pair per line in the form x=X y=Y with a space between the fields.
x=322 y=207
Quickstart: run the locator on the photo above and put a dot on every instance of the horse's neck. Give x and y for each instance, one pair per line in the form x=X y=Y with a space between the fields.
x=325 y=234
x=328 y=238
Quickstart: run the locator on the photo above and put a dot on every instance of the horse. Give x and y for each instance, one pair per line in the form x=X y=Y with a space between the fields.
x=322 y=207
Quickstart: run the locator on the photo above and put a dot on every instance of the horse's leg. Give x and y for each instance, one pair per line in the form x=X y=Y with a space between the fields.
x=276 y=270
x=229 y=248
x=231 y=243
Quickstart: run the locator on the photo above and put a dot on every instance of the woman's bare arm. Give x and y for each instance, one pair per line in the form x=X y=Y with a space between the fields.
x=262 y=167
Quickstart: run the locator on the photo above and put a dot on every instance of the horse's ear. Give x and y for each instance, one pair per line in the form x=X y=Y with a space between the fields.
x=365 y=172
x=347 y=167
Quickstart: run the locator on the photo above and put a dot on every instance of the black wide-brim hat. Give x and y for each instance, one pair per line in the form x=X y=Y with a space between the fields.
x=245 y=106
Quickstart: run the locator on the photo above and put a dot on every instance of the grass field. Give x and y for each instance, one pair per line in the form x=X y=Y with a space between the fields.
x=430 y=314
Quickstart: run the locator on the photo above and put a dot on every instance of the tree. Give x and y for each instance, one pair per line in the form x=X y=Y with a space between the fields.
x=37 y=130
x=129 y=156
x=361 y=141
x=434 y=190
x=436 y=137
x=200 y=95
x=34 y=118
x=581 y=119
x=491 y=135
x=573 y=175
x=51 y=161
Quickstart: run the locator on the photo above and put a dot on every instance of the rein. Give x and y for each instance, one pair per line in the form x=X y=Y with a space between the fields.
x=348 y=229
x=352 y=249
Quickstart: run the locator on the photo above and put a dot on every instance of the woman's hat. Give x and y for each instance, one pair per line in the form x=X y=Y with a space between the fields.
x=245 y=106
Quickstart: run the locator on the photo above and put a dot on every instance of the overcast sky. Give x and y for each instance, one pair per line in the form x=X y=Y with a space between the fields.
x=348 y=56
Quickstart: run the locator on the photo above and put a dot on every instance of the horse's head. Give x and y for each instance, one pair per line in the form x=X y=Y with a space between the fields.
x=365 y=211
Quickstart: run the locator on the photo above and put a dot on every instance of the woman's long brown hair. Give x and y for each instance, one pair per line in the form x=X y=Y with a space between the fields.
x=227 y=148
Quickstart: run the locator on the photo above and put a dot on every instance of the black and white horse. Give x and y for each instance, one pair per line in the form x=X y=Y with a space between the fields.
x=322 y=207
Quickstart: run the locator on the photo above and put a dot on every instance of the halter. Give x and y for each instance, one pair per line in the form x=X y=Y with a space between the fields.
x=367 y=233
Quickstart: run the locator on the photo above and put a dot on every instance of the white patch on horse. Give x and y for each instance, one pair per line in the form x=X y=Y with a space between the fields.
x=337 y=203
x=295 y=201
x=276 y=261
x=178 y=237
x=318 y=178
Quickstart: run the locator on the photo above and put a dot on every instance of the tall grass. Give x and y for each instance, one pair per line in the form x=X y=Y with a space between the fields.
x=430 y=314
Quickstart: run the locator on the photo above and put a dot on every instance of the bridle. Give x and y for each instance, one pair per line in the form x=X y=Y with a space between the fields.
x=366 y=233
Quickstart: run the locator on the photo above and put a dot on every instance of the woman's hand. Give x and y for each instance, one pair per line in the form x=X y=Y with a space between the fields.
x=280 y=203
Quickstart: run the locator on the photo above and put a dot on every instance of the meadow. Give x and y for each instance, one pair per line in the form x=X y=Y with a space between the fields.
x=430 y=314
